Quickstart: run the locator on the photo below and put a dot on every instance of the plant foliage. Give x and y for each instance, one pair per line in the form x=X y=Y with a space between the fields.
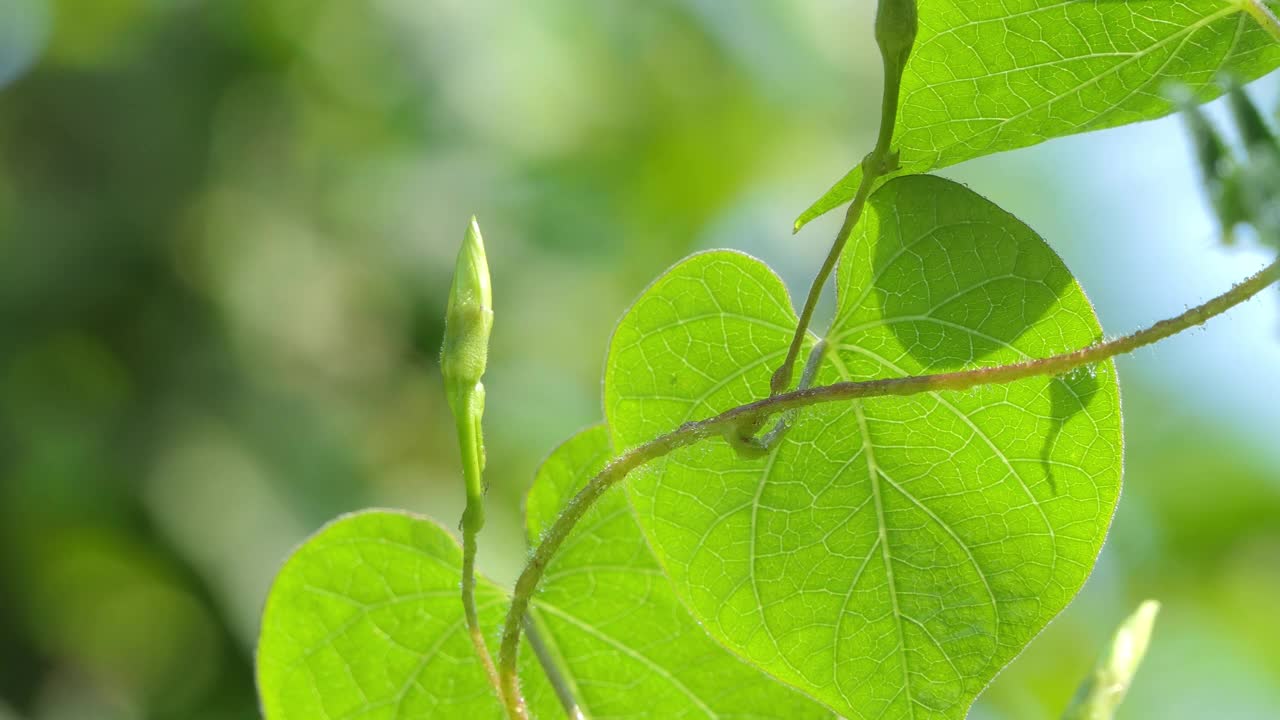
x=994 y=75
x=881 y=557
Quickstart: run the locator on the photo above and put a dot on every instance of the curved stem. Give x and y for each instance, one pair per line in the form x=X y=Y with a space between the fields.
x=727 y=421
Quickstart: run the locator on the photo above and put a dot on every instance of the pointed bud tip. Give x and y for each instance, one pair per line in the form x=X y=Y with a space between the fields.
x=1131 y=641
x=1104 y=690
x=469 y=317
x=471 y=275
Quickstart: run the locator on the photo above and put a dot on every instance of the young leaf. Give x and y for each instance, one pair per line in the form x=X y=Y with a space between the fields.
x=1103 y=691
x=889 y=556
x=993 y=75
x=364 y=621
x=625 y=644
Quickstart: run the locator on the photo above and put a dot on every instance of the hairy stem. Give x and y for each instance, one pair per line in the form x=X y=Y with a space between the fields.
x=472 y=446
x=469 y=608
x=729 y=420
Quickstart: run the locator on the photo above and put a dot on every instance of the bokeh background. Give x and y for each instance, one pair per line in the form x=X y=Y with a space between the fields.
x=226 y=236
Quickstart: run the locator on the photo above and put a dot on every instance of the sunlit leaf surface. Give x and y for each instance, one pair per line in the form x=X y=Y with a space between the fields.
x=888 y=556
x=993 y=75
x=365 y=621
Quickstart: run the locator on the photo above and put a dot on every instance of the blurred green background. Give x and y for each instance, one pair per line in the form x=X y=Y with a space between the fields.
x=226 y=235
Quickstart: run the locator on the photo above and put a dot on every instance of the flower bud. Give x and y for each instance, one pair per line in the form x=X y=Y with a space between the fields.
x=896 y=23
x=468 y=320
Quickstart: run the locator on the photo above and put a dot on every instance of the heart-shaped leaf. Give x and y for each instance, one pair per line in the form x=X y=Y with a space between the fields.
x=889 y=556
x=993 y=75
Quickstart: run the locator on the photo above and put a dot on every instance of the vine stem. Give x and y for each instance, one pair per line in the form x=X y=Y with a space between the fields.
x=472 y=521
x=729 y=420
x=469 y=608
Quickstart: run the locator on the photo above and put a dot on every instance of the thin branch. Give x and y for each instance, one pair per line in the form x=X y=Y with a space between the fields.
x=559 y=683
x=781 y=379
x=728 y=421
x=895 y=35
x=469 y=609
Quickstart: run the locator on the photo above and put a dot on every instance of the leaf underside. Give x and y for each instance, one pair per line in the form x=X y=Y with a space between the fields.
x=365 y=621
x=992 y=75
x=889 y=556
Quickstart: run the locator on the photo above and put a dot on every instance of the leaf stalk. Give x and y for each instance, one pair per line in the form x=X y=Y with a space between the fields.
x=896 y=23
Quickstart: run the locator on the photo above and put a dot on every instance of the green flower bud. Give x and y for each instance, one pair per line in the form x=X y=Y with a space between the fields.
x=1103 y=692
x=895 y=34
x=896 y=24
x=467 y=324
x=468 y=320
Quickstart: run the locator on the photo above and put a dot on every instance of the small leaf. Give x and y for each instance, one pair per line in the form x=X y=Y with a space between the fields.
x=1219 y=171
x=889 y=556
x=1102 y=693
x=1254 y=130
x=992 y=75
x=365 y=621
x=627 y=645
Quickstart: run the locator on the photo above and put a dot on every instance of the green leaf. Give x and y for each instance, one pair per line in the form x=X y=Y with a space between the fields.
x=365 y=621
x=993 y=75
x=889 y=556
x=625 y=645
